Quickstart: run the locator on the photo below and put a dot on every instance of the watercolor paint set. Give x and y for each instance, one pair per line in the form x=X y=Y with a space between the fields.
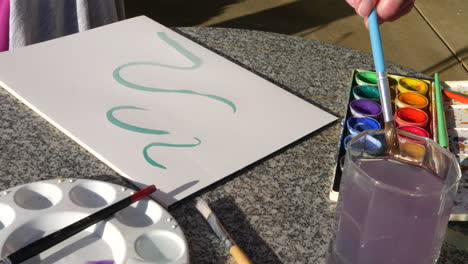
x=414 y=106
x=141 y=233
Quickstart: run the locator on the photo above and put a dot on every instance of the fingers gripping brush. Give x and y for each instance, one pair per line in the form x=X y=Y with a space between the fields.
x=384 y=87
x=237 y=253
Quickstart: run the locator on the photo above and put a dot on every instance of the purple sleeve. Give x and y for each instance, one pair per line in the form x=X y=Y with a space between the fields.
x=4 y=24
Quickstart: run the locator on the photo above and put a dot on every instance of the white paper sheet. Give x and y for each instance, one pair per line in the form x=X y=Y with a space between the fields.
x=155 y=106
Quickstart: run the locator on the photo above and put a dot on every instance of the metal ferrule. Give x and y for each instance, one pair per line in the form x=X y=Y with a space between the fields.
x=384 y=90
x=219 y=230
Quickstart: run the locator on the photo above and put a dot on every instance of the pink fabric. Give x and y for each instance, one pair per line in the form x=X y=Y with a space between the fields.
x=4 y=24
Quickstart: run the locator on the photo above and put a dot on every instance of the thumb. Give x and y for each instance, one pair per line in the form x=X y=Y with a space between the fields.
x=365 y=7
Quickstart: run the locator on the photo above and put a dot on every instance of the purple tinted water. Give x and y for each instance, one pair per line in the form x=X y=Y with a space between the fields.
x=379 y=225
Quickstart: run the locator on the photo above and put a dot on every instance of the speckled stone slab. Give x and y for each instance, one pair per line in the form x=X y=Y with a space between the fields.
x=277 y=210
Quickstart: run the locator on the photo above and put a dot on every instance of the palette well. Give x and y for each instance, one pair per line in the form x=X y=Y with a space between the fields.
x=416 y=112
x=141 y=233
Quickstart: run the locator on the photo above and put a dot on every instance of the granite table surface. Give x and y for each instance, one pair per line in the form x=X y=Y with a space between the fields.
x=277 y=210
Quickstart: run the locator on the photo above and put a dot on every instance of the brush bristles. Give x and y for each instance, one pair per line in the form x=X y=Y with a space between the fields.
x=5 y=261
x=391 y=137
x=203 y=208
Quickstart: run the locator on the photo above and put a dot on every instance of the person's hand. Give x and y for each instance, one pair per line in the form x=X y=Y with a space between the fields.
x=387 y=10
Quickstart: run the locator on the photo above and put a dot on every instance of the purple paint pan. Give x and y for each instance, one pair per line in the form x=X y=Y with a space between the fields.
x=364 y=107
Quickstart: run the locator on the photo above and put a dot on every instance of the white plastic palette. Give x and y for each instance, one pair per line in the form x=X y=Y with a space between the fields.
x=141 y=233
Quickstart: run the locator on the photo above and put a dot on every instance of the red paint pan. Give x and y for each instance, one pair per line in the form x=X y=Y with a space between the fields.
x=411 y=117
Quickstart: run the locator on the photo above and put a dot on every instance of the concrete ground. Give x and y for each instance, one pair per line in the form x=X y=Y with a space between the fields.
x=432 y=38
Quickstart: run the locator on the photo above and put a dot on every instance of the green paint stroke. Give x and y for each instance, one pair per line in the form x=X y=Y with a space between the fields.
x=160 y=144
x=115 y=121
x=196 y=61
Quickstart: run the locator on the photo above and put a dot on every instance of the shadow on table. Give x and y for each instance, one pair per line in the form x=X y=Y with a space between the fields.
x=115 y=179
x=236 y=224
x=455 y=245
x=177 y=13
x=447 y=63
x=290 y=18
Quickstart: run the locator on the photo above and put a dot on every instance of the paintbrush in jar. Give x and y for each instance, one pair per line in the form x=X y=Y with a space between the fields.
x=384 y=88
x=236 y=252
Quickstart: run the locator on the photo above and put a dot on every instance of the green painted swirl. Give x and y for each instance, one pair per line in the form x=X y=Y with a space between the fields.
x=160 y=144
x=115 y=121
x=196 y=63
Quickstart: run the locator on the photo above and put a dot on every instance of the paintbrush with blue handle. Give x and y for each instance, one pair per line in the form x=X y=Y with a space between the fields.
x=384 y=87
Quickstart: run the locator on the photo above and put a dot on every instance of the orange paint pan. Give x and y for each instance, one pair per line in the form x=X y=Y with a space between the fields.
x=412 y=99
